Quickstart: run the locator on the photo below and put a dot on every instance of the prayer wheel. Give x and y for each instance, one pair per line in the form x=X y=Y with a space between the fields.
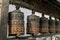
x=33 y=24
x=52 y=26
x=16 y=23
x=57 y=26
x=43 y=24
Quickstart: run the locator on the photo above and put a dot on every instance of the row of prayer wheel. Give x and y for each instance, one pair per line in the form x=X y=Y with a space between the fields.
x=35 y=24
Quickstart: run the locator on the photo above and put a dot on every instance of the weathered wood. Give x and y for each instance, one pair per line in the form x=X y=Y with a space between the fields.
x=4 y=20
x=4 y=15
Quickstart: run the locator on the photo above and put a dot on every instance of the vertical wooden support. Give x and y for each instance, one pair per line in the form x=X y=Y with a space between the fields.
x=0 y=9
x=4 y=4
x=0 y=18
x=4 y=19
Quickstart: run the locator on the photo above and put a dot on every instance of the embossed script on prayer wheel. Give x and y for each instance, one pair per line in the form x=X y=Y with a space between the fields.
x=44 y=25
x=16 y=22
x=57 y=26
x=33 y=24
x=51 y=26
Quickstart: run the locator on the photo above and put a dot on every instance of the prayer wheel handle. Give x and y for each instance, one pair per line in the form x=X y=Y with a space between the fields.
x=17 y=6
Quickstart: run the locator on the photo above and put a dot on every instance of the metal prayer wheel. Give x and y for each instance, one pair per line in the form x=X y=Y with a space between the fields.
x=43 y=24
x=33 y=24
x=57 y=26
x=16 y=22
x=51 y=26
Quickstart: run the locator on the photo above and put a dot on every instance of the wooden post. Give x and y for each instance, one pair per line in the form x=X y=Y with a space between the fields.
x=4 y=4
x=3 y=18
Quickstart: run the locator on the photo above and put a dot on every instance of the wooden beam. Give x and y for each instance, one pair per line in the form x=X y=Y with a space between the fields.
x=38 y=8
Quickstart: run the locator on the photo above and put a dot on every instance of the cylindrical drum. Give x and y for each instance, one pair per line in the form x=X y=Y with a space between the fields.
x=33 y=25
x=16 y=21
x=44 y=25
x=57 y=26
x=51 y=26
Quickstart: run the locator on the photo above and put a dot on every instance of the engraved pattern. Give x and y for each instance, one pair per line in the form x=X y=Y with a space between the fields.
x=33 y=24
